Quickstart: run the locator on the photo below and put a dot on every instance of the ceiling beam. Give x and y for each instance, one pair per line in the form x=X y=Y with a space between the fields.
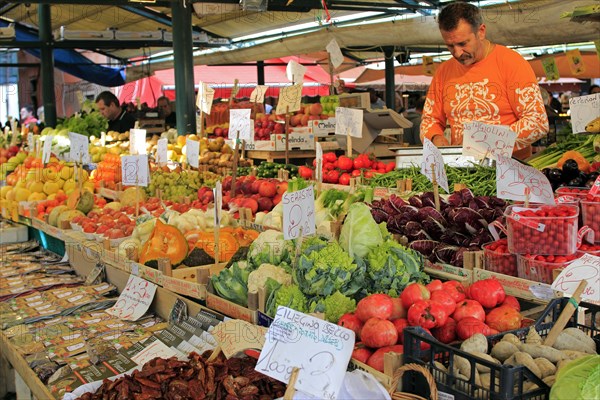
x=158 y=3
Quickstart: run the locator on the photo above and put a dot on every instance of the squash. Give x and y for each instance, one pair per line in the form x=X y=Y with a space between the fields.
x=166 y=241
x=230 y=240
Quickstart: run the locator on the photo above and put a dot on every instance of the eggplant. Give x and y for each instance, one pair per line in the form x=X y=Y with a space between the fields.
x=576 y=182
x=555 y=176
x=570 y=170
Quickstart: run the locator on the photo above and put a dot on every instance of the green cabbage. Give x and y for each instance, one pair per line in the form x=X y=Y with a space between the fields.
x=578 y=380
x=360 y=233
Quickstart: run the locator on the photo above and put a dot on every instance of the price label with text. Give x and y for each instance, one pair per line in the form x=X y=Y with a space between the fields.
x=79 y=150
x=433 y=160
x=206 y=94
x=47 y=149
x=137 y=141
x=290 y=98
x=514 y=180
x=585 y=113
x=319 y=349
x=192 y=152
x=258 y=94
x=295 y=72
x=349 y=121
x=337 y=58
x=298 y=213
x=488 y=141
x=134 y=170
x=586 y=267
x=218 y=196
x=240 y=122
x=319 y=158
x=161 y=151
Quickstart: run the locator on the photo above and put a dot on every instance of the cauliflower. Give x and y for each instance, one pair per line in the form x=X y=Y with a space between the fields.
x=270 y=248
x=258 y=277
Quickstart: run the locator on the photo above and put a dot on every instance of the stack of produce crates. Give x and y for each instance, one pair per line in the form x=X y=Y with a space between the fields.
x=507 y=382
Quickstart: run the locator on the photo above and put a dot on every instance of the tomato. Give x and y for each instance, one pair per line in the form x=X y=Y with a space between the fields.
x=305 y=172
x=378 y=332
x=434 y=285
x=361 y=352
x=358 y=163
x=445 y=300
x=390 y=166
x=344 y=179
x=455 y=289
x=376 y=360
x=413 y=293
x=468 y=308
x=355 y=173
x=351 y=322
x=400 y=324
x=469 y=326
x=447 y=333
x=329 y=157
x=398 y=310
x=333 y=176
x=504 y=318
x=376 y=305
x=512 y=302
x=428 y=314
x=488 y=292
x=345 y=163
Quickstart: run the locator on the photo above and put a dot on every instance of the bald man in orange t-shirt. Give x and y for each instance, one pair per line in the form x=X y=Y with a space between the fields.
x=483 y=82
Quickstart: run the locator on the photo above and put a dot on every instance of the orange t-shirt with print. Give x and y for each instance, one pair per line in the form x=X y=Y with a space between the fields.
x=501 y=89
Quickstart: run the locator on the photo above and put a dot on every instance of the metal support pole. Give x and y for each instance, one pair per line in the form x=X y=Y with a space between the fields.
x=390 y=84
x=185 y=104
x=47 y=60
x=260 y=72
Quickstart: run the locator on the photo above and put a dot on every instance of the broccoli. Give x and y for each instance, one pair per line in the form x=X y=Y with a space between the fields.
x=288 y=296
x=333 y=306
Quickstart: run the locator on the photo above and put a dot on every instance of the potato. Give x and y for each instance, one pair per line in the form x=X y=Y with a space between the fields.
x=524 y=359
x=487 y=357
x=545 y=366
x=575 y=339
x=440 y=366
x=509 y=337
x=533 y=337
x=549 y=380
x=476 y=343
x=547 y=352
x=573 y=354
x=503 y=350
x=463 y=367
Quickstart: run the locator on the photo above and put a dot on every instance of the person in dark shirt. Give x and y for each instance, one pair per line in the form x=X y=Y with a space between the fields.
x=119 y=120
x=165 y=110
x=412 y=135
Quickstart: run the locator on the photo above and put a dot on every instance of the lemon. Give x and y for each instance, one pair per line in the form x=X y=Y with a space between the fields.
x=51 y=187
x=22 y=194
x=49 y=175
x=4 y=190
x=60 y=183
x=10 y=195
x=36 y=187
x=66 y=172
x=69 y=186
x=36 y=197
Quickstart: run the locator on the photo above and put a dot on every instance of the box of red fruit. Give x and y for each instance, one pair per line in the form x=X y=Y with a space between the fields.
x=498 y=259
x=590 y=210
x=593 y=249
x=539 y=268
x=542 y=229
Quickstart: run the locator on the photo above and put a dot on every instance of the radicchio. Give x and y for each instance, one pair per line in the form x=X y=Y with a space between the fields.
x=424 y=247
x=467 y=220
x=445 y=252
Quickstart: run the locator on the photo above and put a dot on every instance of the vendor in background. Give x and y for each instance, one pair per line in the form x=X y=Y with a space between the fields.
x=165 y=110
x=376 y=102
x=594 y=89
x=483 y=82
x=119 y=120
x=412 y=136
x=27 y=117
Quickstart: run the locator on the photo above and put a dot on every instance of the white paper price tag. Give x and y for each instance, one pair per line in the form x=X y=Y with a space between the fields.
x=585 y=113
x=321 y=350
x=192 y=152
x=218 y=196
x=289 y=99
x=135 y=299
x=298 y=213
x=349 y=121
x=134 y=170
x=513 y=179
x=137 y=141
x=47 y=149
x=239 y=121
x=586 y=267
x=433 y=156
x=30 y=141
x=161 y=151
x=319 y=159
x=79 y=150
x=206 y=94
x=484 y=140
x=295 y=72
x=258 y=94
x=337 y=58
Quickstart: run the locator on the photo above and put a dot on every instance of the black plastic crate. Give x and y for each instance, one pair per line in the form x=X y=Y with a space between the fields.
x=506 y=382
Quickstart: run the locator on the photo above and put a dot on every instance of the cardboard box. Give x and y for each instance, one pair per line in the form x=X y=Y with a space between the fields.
x=322 y=127
x=13 y=233
x=297 y=141
x=230 y=309
x=536 y=292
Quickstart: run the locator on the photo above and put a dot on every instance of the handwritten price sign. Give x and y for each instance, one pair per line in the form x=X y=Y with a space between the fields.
x=239 y=121
x=349 y=121
x=161 y=151
x=485 y=140
x=295 y=72
x=585 y=113
x=206 y=94
x=79 y=151
x=586 y=267
x=289 y=99
x=134 y=170
x=47 y=149
x=235 y=335
x=433 y=156
x=337 y=58
x=513 y=179
x=321 y=350
x=137 y=141
x=258 y=94
x=135 y=299
x=298 y=212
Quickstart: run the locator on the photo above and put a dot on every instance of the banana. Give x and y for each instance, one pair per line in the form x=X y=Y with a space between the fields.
x=593 y=126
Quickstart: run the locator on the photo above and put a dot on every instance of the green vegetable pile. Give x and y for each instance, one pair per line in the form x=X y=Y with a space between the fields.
x=269 y=169
x=580 y=143
x=579 y=379
x=88 y=124
x=481 y=180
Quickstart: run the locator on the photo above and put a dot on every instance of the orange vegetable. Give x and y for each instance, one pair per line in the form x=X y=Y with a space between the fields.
x=582 y=162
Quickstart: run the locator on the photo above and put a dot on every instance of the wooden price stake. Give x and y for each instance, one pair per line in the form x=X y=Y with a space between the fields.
x=287 y=135
x=137 y=198
x=290 y=390
x=436 y=189
x=565 y=315
x=201 y=123
x=348 y=143
x=236 y=157
x=331 y=86
x=527 y=196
